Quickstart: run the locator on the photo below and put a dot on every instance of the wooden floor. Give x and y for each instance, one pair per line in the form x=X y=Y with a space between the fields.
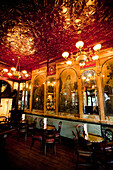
x=17 y=156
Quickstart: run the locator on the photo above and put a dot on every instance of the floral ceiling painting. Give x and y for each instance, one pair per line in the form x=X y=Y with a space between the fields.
x=39 y=31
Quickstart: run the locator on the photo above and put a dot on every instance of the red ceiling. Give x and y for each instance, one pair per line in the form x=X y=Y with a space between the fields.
x=46 y=25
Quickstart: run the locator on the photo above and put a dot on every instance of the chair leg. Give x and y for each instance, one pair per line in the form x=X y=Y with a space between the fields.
x=55 y=149
x=25 y=137
x=32 y=143
x=45 y=149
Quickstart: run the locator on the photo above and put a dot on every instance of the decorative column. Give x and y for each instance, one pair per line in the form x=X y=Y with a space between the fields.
x=31 y=97
x=80 y=94
x=100 y=92
x=45 y=100
x=57 y=95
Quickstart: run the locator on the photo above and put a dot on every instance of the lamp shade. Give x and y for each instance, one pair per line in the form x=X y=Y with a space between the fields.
x=65 y=55
x=97 y=47
x=79 y=44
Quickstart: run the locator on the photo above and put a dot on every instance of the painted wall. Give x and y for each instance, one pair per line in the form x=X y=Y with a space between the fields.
x=67 y=126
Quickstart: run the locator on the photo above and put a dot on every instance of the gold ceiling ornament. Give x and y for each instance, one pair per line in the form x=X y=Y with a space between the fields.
x=20 y=40
x=82 y=56
x=76 y=13
x=15 y=72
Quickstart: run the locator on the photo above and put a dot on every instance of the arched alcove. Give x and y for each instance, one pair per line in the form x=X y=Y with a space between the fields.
x=107 y=75
x=5 y=89
x=38 y=93
x=90 y=97
x=68 y=93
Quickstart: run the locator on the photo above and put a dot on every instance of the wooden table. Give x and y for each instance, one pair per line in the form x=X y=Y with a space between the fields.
x=5 y=132
x=48 y=127
x=93 y=138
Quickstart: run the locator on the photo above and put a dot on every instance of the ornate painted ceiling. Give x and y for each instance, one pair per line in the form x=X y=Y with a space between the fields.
x=40 y=30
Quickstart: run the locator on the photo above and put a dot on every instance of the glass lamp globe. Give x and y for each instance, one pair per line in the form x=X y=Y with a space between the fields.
x=79 y=44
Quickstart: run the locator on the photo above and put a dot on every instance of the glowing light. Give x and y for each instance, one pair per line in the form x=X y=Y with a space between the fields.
x=83 y=77
x=95 y=57
x=9 y=74
x=87 y=79
x=69 y=62
x=24 y=71
x=5 y=70
x=79 y=44
x=82 y=64
x=65 y=55
x=97 y=47
x=89 y=75
x=13 y=68
x=26 y=75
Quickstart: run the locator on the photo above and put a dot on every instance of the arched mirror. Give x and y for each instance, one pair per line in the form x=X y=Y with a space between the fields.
x=5 y=89
x=38 y=93
x=107 y=73
x=90 y=99
x=51 y=95
x=68 y=93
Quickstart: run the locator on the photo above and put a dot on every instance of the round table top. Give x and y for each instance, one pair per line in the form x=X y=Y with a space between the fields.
x=48 y=127
x=93 y=138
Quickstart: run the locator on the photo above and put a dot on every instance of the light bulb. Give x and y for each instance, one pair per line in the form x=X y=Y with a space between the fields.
x=79 y=44
x=95 y=57
x=5 y=70
x=13 y=69
x=65 y=55
x=9 y=74
x=89 y=75
x=82 y=64
x=24 y=71
x=69 y=62
x=97 y=47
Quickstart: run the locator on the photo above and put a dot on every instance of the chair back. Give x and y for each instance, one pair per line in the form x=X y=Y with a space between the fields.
x=41 y=122
x=59 y=126
x=80 y=130
x=23 y=127
x=109 y=135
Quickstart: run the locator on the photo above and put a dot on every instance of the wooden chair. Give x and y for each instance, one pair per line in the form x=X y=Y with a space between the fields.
x=108 y=138
x=22 y=130
x=108 y=135
x=104 y=158
x=38 y=135
x=32 y=127
x=49 y=140
x=57 y=133
x=80 y=130
x=83 y=155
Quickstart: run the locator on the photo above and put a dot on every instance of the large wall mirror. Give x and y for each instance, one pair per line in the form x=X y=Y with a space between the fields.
x=5 y=89
x=68 y=93
x=90 y=98
x=51 y=95
x=38 y=93
x=107 y=73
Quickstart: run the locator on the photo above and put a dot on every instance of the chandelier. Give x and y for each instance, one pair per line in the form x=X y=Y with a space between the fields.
x=82 y=56
x=15 y=73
